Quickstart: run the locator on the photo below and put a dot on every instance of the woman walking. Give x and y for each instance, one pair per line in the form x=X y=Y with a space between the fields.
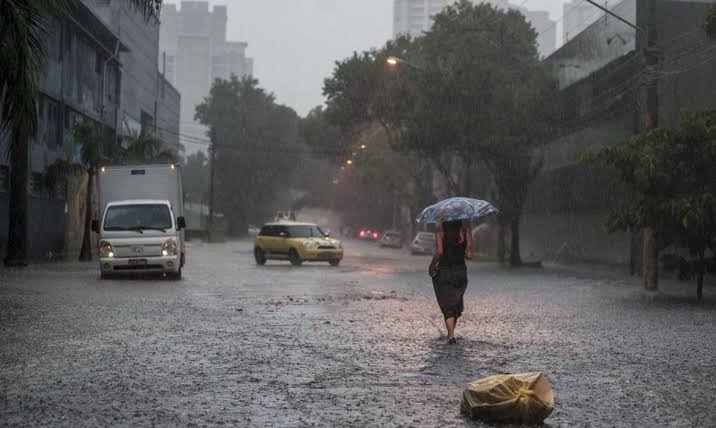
x=453 y=244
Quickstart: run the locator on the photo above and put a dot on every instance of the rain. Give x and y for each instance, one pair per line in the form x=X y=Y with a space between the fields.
x=334 y=213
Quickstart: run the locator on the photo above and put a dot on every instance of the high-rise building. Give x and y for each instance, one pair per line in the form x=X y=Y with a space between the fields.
x=546 y=30
x=414 y=17
x=193 y=52
x=578 y=15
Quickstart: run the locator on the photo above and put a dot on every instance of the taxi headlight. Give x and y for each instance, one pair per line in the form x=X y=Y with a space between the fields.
x=105 y=249
x=170 y=247
x=311 y=245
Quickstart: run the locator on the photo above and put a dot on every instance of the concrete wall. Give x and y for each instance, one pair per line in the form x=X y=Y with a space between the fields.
x=168 y=113
x=687 y=79
x=46 y=232
x=568 y=203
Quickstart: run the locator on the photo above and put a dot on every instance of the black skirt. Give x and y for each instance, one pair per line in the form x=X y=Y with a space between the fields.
x=450 y=284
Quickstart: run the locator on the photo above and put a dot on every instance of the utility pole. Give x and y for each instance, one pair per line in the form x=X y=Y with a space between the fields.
x=648 y=120
x=212 y=160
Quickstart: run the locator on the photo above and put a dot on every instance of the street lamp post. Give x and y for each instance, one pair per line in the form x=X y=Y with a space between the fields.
x=394 y=61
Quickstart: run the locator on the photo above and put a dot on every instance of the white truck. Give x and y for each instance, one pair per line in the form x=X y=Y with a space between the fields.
x=142 y=220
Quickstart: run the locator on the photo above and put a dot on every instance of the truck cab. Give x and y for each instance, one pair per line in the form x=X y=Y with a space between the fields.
x=140 y=236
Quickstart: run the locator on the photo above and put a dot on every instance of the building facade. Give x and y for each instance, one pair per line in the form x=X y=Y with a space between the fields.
x=148 y=102
x=414 y=17
x=194 y=51
x=546 y=30
x=601 y=73
x=577 y=15
x=80 y=84
x=101 y=69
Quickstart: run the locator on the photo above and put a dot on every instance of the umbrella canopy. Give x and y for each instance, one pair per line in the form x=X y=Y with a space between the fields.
x=455 y=209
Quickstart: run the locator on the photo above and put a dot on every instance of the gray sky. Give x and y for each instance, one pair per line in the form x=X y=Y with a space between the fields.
x=295 y=43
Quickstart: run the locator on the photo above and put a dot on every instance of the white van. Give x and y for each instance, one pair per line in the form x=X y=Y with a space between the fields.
x=142 y=225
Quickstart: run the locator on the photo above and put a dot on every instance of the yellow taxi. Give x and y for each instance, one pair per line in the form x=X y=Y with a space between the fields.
x=296 y=242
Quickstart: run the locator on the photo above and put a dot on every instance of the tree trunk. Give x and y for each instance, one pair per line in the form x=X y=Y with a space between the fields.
x=650 y=260
x=515 y=258
x=634 y=260
x=700 y=277
x=86 y=250
x=18 y=209
x=501 y=242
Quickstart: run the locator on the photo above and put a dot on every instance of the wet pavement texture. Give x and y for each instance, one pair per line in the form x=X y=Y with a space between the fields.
x=362 y=344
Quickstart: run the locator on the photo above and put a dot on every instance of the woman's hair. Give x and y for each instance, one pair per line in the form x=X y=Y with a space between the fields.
x=452 y=229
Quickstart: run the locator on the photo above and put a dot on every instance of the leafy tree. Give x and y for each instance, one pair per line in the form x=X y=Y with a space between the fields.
x=671 y=173
x=23 y=25
x=195 y=175
x=710 y=23
x=323 y=138
x=471 y=92
x=257 y=147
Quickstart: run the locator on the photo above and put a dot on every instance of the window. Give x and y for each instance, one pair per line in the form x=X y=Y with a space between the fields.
x=37 y=184
x=146 y=122
x=138 y=217
x=308 y=231
x=4 y=178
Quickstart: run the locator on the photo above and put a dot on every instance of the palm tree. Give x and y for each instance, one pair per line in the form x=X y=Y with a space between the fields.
x=137 y=147
x=142 y=147
x=23 y=25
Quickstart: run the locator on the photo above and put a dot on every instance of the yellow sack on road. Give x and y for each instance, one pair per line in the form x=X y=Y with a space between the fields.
x=525 y=398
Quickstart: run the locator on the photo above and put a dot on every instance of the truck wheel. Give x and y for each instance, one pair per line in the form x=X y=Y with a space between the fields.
x=174 y=276
x=259 y=256
x=294 y=257
x=335 y=262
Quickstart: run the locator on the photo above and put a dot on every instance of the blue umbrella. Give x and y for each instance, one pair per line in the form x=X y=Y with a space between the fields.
x=455 y=209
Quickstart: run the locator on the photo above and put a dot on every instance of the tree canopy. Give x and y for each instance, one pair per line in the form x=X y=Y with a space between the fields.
x=257 y=147
x=469 y=93
x=672 y=176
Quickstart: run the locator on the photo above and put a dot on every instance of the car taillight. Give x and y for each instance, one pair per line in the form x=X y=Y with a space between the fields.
x=375 y=235
x=362 y=233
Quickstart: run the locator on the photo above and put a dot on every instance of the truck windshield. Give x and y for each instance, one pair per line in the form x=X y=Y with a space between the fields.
x=305 y=232
x=138 y=217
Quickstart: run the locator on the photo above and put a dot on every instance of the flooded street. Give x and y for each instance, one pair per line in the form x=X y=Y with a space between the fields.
x=361 y=344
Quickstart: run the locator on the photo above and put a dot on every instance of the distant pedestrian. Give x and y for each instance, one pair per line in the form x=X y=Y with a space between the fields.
x=453 y=244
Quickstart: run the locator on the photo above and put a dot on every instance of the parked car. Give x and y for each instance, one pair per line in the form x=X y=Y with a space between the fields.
x=296 y=242
x=423 y=243
x=391 y=238
x=368 y=233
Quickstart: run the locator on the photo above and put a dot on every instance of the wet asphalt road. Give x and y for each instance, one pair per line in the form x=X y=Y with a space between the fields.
x=361 y=344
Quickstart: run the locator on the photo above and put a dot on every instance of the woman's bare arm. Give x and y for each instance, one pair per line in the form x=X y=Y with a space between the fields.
x=468 y=244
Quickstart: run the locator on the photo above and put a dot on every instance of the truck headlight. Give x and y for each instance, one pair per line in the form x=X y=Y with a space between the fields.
x=105 y=249
x=310 y=244
x=339 y=244
x=170 y=247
